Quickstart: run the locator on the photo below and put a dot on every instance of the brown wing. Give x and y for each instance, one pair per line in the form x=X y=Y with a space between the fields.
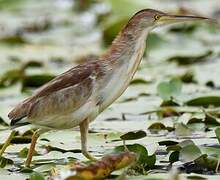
x=65 y=90
x=62 y=101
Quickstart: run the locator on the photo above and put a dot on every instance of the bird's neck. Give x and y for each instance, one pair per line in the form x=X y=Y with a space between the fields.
x=128 y=48
x=123 y=58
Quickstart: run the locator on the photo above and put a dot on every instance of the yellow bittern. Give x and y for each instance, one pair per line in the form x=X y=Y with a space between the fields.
x=78 y=96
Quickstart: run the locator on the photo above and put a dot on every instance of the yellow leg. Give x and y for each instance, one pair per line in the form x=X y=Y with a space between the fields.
x=7 y=142
x=35 y=136
x=84 y=126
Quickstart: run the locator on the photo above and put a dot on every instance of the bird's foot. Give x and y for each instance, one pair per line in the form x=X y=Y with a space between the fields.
x=89 y=156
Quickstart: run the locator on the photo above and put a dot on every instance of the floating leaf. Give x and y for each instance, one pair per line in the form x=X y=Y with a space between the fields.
x=26 y=170
x=186 y=143
x=188 y=77
x=196 y=177
x=189 y=153
x=24 y=152
x=112 y=30
x=29 y=132
x=217 y=133
x=5 y=4
x=168 y=90
x=167 y=110
x=186 y=28
x=164 y=90
x=32 y=64
x=211 y=120
x=139 y=81
x=208 y=162
x=5 y=161
x=141 y=152
x=36 y=176
x=211 y=151
x=157 y=126
x=151 y=160
x=194 y=120
x=204 y=101
x=167 y=143
x=36 y=27
x=45 y=168
x=13 y=40
x=182 y=130
x=169 y=103
x=174 y=156
x=52 y=148
x=186 y=60
x=133 y=135
x=154 y=40
x=210 y=84
x=120 y=16
x=36 y=80
x=10 y=77
x=21 y=140
x=197 y=126
x=176 y=147
x=82 y=5
x=176 y=86
x=104 y=167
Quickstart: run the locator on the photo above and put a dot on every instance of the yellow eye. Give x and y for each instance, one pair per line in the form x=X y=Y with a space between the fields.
x=157 y=17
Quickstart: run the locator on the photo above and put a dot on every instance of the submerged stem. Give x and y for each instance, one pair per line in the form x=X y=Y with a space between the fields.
x=7 y=142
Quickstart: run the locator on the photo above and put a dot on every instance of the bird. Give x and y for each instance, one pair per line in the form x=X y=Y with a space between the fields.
x=79 y=95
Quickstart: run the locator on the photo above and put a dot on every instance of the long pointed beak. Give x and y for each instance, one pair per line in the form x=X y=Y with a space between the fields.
x=170 y=19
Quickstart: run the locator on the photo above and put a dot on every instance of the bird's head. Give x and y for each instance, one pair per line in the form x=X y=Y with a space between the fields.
x=149 y=18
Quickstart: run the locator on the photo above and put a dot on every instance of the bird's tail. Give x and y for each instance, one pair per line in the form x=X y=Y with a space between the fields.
x=15 y=126
x=19 y=112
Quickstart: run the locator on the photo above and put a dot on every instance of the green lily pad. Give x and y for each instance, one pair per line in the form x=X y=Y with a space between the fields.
x=13 y=40
x=35 y=81
x=5 y=161
x=181 y=60
x=189 y=153
x=168 y=90
x=157 y=126
x=196 y=177
x=36 y=176
x=189 y=28
x=174 y=156
x=167 y=143
x=182 y=130
x=52 y=148
x=10 y=77
x=133 y=135
x=112 y=30
x=211 y=120
x=21 y=140
x=211 y=151
x=217 y=133
x=24 y=152
x=141 y=152
x=208 y=162
x=204 y=101
x=154 y=41
x=188 y=77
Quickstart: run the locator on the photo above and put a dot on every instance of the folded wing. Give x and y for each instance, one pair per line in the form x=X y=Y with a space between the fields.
x=67 y=92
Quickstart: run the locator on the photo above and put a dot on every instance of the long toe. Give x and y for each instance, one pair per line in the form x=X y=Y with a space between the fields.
x=89 y=156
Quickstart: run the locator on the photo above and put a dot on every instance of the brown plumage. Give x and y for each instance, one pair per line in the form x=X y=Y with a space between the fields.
x=75 y=84
x=76 y=97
